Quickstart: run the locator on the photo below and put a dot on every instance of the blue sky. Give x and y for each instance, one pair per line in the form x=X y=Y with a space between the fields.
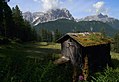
x=78 y=8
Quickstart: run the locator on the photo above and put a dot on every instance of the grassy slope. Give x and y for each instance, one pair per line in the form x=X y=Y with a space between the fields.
x=33 y=62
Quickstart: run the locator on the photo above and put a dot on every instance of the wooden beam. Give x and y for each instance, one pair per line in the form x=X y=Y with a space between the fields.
x=61 y=60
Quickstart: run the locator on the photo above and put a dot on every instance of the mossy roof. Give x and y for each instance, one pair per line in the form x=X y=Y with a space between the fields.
x=88 y=39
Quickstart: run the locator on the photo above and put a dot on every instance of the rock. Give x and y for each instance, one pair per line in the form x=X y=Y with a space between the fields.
x=51 y=15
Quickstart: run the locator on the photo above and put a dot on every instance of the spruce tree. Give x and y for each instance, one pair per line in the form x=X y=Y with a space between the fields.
x=23 y=28
x=57 y=34
x=18 y=20
x=116 y=44
x=1 y=17
x=6 y=22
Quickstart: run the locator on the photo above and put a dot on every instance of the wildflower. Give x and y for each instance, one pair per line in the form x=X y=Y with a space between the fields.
x=81 y=77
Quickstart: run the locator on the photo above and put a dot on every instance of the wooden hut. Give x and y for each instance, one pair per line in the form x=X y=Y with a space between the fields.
x=88 y=52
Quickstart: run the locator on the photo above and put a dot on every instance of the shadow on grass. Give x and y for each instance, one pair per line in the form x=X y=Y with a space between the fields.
x=115 y=63
x=19 y=67
x=32 y=69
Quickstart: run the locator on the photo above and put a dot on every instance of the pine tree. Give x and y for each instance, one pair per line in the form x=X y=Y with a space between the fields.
x=1 y=17
x=103 y=32
x=44 y=35
x=50 y=37
x=12 y=24
x=6 y=22
x=18 y=20
x=116 y=44
x=23 y=28
x=57 y=34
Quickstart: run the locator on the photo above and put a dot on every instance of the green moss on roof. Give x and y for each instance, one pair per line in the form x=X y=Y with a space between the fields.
x=90 y=39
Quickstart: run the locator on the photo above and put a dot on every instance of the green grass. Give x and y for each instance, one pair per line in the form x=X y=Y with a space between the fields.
x=33 y=62
x=109 y=74
x=115 y=59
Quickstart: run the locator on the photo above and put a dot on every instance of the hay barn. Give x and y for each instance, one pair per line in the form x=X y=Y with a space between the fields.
x=88 y=51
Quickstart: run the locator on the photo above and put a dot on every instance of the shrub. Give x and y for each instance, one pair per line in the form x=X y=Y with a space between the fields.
x=109 y=75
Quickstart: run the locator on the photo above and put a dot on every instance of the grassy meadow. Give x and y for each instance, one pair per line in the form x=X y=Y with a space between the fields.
x=33 y=62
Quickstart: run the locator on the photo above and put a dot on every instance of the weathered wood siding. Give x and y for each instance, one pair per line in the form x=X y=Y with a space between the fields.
x=99 y=57
x=71 y=49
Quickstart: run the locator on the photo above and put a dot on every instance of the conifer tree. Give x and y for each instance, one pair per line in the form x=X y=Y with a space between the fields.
x=57 y=34
x=116 y=44
x=23 y=28
x=6 y=22
x=1 y=17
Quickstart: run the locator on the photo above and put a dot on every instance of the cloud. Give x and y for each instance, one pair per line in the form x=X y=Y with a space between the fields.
x=99 y=7
x=50 y=4
x=53 y=4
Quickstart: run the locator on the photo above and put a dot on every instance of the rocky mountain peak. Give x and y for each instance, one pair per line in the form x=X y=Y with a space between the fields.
x=98 y=17
x=50 y=15
x=113 y=22
x=28 y=16
x=101 y=15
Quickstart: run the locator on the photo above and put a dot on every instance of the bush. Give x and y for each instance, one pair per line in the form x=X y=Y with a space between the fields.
x=109 y=75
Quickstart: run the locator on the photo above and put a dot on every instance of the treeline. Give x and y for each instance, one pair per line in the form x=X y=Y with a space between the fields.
x=115 y=45
x=13 y=26
x=65 y=25
x=45 y=35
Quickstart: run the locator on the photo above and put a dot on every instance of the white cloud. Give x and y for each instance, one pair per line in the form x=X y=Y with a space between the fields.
x=53 y=4
x=99 y=7
x=50 y=4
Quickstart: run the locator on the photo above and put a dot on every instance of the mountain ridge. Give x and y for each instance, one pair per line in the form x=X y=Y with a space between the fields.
x=51 y=15
x=55 y=14
x=62 y=19
x=103 y=18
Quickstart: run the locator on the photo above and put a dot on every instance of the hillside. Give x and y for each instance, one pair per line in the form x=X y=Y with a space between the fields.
x=65 y=26
x=114 y=24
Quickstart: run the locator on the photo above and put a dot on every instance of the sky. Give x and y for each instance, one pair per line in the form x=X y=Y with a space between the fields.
x=78 y=8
